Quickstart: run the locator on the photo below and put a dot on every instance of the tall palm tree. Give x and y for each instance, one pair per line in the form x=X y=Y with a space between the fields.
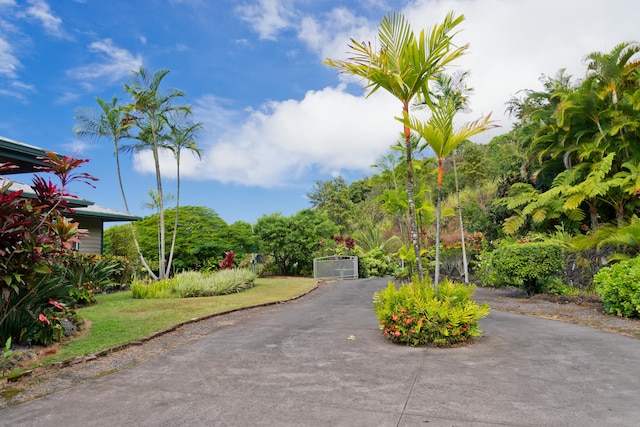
x=403 y=65
x=181 y=136
x=150 y=111
x=112 y=121
x=438 y=133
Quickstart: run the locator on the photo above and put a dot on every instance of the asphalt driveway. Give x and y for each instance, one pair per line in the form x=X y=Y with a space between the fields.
x=295 y=365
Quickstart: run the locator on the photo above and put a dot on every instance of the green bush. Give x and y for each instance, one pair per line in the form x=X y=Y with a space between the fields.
x=415 y=314
x=619 y=288
x=526 y=264
x=375 y=263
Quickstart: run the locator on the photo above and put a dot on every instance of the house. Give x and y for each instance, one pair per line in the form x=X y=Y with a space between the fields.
x=89 y=216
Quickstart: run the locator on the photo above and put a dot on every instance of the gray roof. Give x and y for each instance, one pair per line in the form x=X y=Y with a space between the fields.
x=27 y=192
x=105 y=213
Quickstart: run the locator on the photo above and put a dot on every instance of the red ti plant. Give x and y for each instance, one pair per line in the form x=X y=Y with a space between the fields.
x=34 y=232
x=227 y=262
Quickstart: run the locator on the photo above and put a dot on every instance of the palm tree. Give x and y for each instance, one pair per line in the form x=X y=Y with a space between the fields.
x=615 y=71
x=151 y=111
x=110 y=121
x=403 y=65
x=181 y=137
x=439 y=134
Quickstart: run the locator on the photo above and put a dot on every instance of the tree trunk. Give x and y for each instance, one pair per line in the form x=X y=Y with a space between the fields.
x=175 y=222
x=436 y=278
x=126 y=206
x=412 y=207
x=464 y=248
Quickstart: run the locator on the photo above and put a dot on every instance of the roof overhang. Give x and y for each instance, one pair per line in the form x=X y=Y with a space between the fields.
x=28 y=193
x=26 y=157
x=106 y=214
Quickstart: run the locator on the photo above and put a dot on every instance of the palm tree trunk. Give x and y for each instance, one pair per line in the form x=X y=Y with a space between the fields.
x=436 y=277
x=175 y=222
x=412 y=207
x=126 y=206
x=465 y=264
x=161 y=231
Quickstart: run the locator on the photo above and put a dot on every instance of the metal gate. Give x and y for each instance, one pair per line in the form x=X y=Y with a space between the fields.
x=335 y=267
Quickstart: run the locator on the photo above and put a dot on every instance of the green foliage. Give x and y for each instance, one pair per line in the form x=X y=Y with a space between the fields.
x=334 y=198
x=154 y=289
x=87 y=274
x=376 y=263
x=555 y=286
x=6 y=354
x=293 y=241
x=203 y=238
x=196 y=284
x=416 y=314
x=527 y=263
x=619 y=288
x=38 y=314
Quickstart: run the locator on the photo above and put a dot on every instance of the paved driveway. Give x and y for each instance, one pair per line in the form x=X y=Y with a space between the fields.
x=295 y=366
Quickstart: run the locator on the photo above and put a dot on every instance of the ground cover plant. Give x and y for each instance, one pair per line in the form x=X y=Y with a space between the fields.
x=196 y=284
x=417 y=314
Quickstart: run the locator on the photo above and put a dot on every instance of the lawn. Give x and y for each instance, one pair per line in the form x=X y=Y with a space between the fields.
x=118 y=318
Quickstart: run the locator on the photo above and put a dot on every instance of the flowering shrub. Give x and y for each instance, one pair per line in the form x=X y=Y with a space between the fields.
x=415 y=314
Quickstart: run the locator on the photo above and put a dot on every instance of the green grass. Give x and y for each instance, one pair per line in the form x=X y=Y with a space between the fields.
x=119 y=318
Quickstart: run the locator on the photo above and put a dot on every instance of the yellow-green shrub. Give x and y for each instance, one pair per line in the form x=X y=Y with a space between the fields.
x=415 y=314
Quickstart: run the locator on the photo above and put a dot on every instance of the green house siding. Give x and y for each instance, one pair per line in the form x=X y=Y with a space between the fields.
x=91 y=243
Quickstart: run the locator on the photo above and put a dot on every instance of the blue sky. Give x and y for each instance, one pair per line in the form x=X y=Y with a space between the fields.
x=275 y=119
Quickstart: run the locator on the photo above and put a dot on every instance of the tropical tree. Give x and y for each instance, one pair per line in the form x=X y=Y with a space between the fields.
x=333 y=198
x=110 y=121
x=441 y=136
x=150 y=111
x=293 y=241
x=581 y=141
x=403 y=65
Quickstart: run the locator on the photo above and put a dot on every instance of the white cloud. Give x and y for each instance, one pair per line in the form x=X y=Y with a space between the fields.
x=268 y=17
x=328 y=131
x=115 y=63
x=40 y=11
x=8 y=61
